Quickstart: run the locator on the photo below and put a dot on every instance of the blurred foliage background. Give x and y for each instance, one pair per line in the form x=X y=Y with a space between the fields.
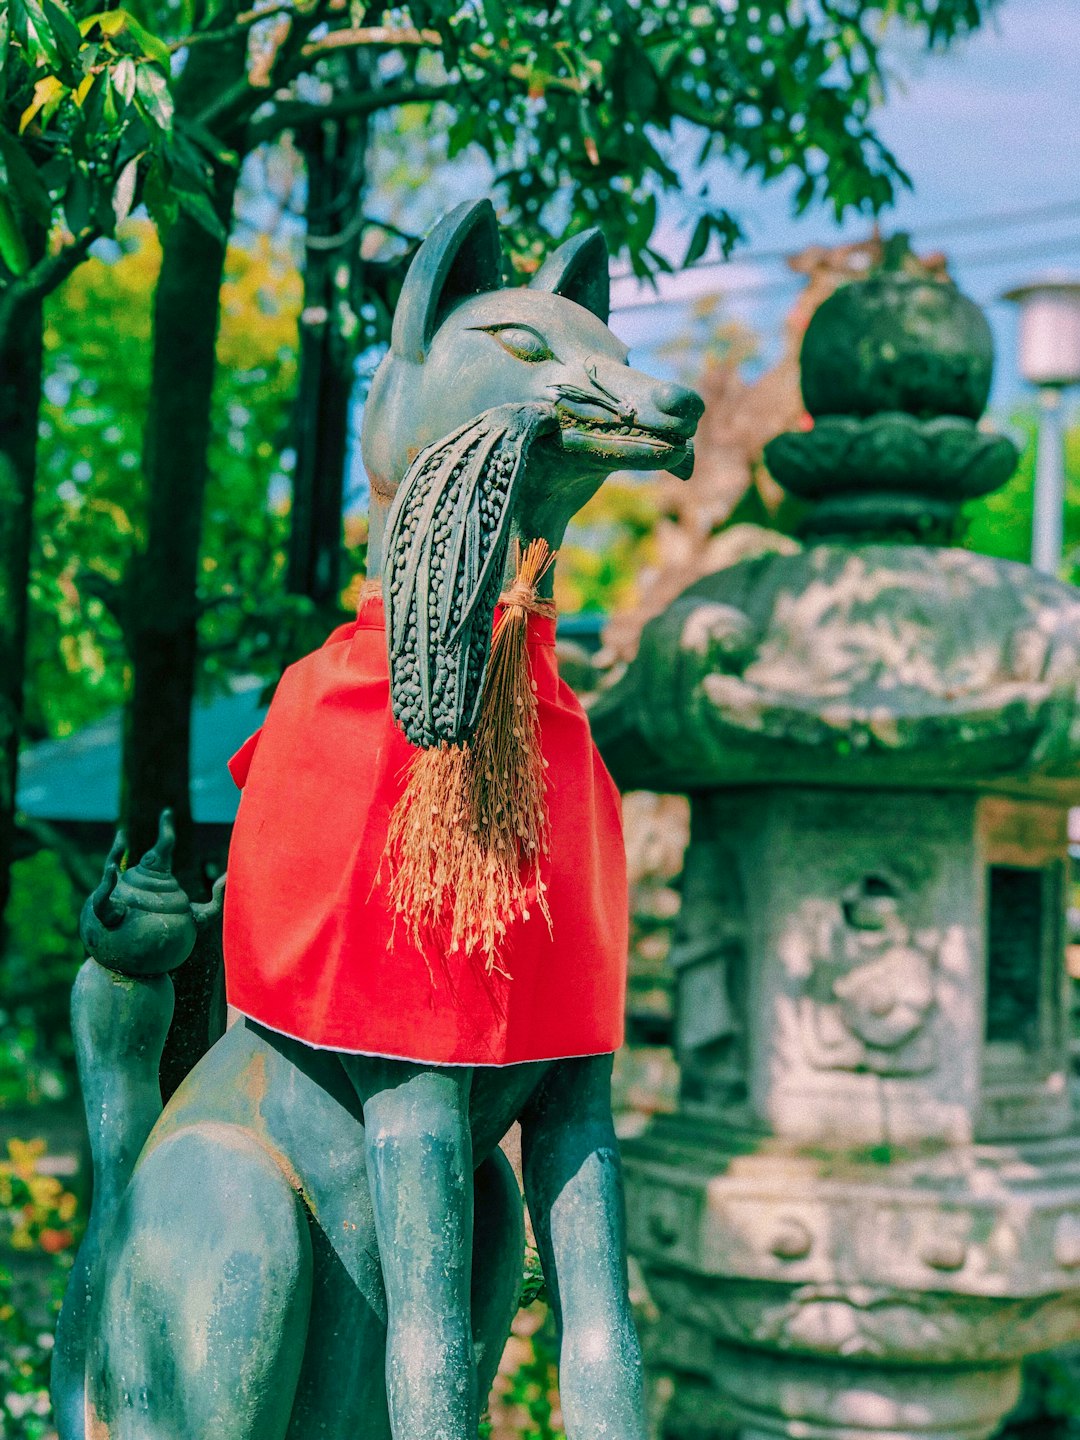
x=205 y=214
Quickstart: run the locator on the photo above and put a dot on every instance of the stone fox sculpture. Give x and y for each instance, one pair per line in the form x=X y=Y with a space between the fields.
x=319 y=1236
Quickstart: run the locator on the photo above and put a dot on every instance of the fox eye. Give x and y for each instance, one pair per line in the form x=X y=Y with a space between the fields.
x=523 y=344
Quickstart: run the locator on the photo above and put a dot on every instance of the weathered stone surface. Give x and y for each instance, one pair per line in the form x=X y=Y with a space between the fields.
x=853 y=665
x=903 y=338
x=893 y=452
x=770 y=1398
x=784 y=1240
x=863 y=1215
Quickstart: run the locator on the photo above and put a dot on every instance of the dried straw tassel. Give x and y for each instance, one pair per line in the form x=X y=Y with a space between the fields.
x=467 y=837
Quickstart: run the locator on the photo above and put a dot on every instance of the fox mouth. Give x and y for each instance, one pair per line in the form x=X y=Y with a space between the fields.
x=635 y=446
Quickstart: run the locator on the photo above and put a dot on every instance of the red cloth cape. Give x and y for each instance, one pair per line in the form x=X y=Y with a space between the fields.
x=310 y=944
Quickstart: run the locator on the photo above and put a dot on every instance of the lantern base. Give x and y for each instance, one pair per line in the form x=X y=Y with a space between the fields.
x=755 y=1395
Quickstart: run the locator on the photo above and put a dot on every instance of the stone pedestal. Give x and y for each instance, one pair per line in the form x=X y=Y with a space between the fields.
x=866 y=1210
x=814 y=1287
x=766 y=1399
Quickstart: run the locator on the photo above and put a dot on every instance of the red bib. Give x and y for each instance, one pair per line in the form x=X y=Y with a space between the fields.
x=310 y=942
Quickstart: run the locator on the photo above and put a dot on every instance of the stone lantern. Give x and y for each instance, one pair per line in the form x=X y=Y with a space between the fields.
x=1049 y=359
x=865 y=1211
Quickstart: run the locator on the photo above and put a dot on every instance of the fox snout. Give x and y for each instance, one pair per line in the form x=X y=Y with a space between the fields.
x=630 y=397
x=677 y=407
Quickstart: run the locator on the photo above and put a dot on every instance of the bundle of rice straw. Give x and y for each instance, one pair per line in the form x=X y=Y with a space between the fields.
x=468 y=835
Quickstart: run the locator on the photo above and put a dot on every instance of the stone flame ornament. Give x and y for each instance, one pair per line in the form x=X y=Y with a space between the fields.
x=862 y=1216
x=139 y=921
x=319 y=1236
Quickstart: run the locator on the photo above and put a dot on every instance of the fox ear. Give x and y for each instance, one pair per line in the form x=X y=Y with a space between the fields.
x=578 y=270
x=460 y=257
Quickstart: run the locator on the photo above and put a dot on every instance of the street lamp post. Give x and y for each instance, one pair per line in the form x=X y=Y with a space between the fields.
x=1049 y=359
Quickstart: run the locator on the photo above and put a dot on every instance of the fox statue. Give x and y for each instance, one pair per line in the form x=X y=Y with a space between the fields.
x=318 y=1237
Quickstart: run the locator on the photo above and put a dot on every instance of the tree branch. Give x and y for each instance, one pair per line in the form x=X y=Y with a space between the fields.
x=231 y=110
x=110 y=593
x=391 y=229
x=292 y=114
x=394 y=38
x=44 y=277
x=242 y=99
x=390 y=36
x=242 y=22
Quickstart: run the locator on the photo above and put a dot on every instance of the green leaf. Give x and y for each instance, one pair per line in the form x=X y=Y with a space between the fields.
x=153 y=98
x=17 y=11
x=123 y=79
x=87 y=23
x=116 y=22
x=40 y=34
x=151 y=46
x=191 y=170
x=109 y=22
x=78 y=201
x=48 y=93
x=123 y=196
x=25 y=180
x=160 y=198
x=109 y=112
x=643 y=224
x=13 y=250
x=55 y=174
x=460 y=134
x=64 y=28
x=210 y=143
x=5 y=38
x=634 y=80
x=714 y=222
x=85 y=87
x=202 y=212
x=664 y=55
x=699 y=241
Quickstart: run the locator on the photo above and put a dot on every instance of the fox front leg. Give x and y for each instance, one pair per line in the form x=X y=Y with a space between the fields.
x=419 y=1161
x=573 y=1183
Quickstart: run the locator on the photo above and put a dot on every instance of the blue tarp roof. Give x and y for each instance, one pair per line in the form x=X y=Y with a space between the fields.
x=78 y=778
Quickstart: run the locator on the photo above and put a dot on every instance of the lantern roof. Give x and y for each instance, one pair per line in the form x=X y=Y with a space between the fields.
x=883 y=664
x=1049 y=330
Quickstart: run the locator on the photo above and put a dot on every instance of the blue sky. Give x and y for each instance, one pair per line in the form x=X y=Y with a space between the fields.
x=991 y=128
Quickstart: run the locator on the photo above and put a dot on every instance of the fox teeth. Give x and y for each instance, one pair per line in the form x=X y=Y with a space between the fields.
x=606 y=427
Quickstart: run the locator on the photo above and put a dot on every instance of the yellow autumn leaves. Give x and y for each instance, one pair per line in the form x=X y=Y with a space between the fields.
x=40 y=1211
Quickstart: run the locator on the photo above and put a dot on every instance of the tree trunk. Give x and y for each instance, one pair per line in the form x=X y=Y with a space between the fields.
x=161 y=608
x=334 y=154
x=161 y=591
x=161 y=603
x=21 y=348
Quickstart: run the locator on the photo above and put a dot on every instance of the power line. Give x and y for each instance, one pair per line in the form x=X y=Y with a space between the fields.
x=956 y=225
x=766 y=287
x=999 y=256
x=999 y=219
x=1033 y=251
